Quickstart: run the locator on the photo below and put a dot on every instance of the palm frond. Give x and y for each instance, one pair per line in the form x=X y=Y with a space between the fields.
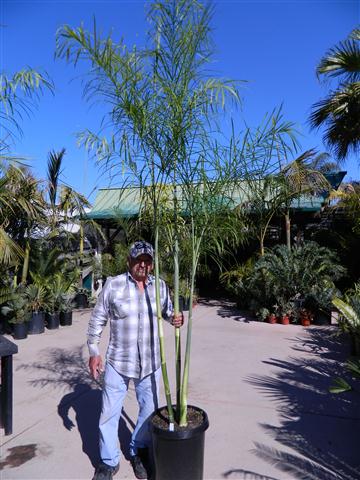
x=53 y=173
x=342 y=61
x=10 y=252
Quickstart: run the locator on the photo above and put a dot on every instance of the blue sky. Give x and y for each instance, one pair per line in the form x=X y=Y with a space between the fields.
x=274 y=45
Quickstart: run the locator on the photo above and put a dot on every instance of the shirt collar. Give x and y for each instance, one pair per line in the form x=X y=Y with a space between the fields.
x=149 y=280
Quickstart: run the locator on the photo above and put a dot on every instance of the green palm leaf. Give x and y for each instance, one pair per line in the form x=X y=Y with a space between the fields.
x=340 y=386
x=347 y=311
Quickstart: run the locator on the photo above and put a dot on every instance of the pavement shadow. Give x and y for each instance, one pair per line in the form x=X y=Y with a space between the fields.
x=245 y=475
x=66 y=369
x=228 y=309
x=86 y=403
x=316 y=427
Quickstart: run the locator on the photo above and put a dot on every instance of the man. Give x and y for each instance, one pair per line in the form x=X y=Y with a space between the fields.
x=129 y=302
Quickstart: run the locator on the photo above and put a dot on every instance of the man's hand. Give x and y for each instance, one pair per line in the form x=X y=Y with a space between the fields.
x=178 y=320
x=95 y=366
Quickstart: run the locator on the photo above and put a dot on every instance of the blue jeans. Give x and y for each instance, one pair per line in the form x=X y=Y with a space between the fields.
x=113 y=395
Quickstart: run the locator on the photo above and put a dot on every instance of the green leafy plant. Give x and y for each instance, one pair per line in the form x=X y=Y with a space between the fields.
x=340 y=385
x=350 y=316
x=36 y=297
x=237 y=281
x=14 y=304
x=112 y=265
x=66 y=302
x=303 y=272
x=262 y=314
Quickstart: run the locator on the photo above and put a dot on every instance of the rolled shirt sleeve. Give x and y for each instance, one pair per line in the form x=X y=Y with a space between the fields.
x=98 y=319
x=167 y=306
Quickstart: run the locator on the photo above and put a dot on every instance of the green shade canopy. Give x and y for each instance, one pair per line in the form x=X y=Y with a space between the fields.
x=112 y=203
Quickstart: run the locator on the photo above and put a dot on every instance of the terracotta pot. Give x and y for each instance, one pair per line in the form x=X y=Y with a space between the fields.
x=271 y=318
x=305 y=322
x=285 y=320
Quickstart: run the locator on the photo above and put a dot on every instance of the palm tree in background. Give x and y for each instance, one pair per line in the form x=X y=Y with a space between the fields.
x=22 y=210
x=19 y=93
x=339 y=112
x=53 y=176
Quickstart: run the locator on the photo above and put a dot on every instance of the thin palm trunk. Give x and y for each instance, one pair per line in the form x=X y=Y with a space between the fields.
x=196 y=242
x=176 y=307
x=288 y=229
x=161 y=330
x=25 y=268
x=261 y=239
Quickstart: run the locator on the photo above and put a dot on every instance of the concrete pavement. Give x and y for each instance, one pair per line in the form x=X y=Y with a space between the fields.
x=264 y=387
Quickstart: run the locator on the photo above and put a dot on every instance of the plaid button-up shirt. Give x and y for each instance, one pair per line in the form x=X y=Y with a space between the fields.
x=134 y=348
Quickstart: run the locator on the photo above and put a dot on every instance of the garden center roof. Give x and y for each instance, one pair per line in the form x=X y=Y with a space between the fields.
x=112 y=203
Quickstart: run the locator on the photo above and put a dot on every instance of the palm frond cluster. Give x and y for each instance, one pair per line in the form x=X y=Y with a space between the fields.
x=339 y=112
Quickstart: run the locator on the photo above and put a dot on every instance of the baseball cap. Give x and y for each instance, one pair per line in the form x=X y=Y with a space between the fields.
x=141 y=248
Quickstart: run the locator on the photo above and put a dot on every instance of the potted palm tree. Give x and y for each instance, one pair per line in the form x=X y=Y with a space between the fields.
x=35 y=295
x=66 y=308
x=15 y=308
x=54 y=294
x=81 y=298
x=163 y=100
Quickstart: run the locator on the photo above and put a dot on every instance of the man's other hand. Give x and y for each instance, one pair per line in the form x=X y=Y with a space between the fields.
x=178 y=320
x=95 y=366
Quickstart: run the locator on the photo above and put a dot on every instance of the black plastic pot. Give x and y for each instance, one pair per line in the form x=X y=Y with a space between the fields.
x=52 y=320
x=322 y=318
x=184 y=304
x=179 y=455
x=3 y=324
x=19 y=331
x=81 y=300
x=65 y=319
x=36 y=323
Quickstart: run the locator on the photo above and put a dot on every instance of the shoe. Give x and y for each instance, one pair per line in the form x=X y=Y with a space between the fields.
x=138 y=466
x=105 y=472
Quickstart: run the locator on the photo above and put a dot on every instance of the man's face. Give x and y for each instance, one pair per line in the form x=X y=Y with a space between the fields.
x=140 y=267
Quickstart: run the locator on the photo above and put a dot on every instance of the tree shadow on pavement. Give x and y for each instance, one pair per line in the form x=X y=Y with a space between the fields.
x=66 y=369
x=228 y=309
x=246 y=475
x=316 y=427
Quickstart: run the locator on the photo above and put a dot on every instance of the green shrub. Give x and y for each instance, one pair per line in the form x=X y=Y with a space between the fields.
x=302 y=276
x=117 y=264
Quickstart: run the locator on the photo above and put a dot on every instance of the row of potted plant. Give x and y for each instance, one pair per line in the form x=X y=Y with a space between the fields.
x=297 y=283
x=28 y=309
x=302 y=316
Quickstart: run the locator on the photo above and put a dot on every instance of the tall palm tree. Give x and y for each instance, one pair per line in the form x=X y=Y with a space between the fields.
x=301 y=177
x=10 y=252
x=53 y=174
x=160 y=101
x=339 y=112
x=18 y=94
x=22 y=209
